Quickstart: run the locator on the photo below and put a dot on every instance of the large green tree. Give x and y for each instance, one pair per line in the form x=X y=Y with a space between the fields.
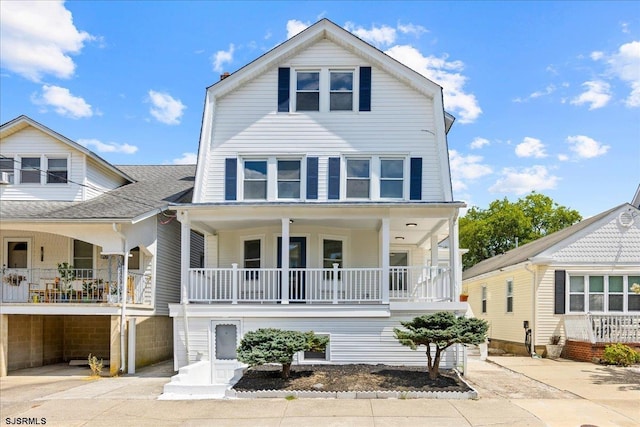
x=504 y=224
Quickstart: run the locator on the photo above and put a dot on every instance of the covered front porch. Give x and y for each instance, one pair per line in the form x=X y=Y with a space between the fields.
x=343 y=253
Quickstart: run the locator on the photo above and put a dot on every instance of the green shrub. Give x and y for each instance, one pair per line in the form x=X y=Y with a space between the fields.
x=269 y=345
x=620 y=354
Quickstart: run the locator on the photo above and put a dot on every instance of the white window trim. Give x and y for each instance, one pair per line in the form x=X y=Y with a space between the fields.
x=343 y=239
x=7 y=240
x=46 y=168
x=506 y=300
x=585 y=274
x=243 y=239
x=405 y=174
x=327 y=352
x=374 y=175
x=272 y=176
x=325 y=88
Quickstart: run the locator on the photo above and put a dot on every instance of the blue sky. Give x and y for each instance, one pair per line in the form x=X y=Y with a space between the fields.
x=546 y=94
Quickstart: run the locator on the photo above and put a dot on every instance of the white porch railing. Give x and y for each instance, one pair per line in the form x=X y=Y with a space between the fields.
x=21 y=285
x=318 y=285
x=599 y=328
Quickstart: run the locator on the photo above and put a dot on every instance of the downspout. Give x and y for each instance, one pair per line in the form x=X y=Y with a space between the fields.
x=123 y=295
x=533 y=310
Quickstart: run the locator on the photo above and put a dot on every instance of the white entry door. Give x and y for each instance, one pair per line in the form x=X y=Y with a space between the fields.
x=225 y=338
x=16 y=268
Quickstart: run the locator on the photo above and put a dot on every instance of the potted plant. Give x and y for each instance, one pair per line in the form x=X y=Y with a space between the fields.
x=464 y=295
x=112 y=297
x=67 y=275
x=554 y=348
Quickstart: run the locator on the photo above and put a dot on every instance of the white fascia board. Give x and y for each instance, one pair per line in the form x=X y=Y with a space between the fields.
x=204 y=146
x=281 y=311
x=60 y=309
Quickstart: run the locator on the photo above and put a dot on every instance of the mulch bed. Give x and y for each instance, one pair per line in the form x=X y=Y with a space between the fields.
x=348 y=378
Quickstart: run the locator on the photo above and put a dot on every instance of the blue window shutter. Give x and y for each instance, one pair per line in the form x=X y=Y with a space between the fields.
x=365 y=88
x=334 y=178
x=415 y=183
x=559 y=291
x=230 y=178
x=283 y=89
x=312 y=178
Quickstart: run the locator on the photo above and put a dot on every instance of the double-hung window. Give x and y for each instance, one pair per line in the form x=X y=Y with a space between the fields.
x=633 y=299
x=341 y=90
x=288 y=179
x=576 y=293
x=83 y=259
x=252 y=252
x=509 y=296
x=391 y=178
x=308 y=91
x=255 y=179
x=358 y=178
x=57 y=171
x=6 y=168
x=596 y=293
x=616 y=293
x=484 y=299
x=30 y=170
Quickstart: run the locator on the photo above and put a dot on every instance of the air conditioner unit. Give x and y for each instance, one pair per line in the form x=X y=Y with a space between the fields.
x=6 y=178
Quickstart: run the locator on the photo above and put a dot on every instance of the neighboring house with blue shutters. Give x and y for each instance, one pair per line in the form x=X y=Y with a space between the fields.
x=577 y=283
x=323 y=189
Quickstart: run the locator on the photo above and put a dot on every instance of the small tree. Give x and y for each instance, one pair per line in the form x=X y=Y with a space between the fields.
x=269 y=345
x=442 y=329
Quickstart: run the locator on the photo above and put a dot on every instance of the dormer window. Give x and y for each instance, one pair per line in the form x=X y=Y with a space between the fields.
x=57 y=171
x=30 y=170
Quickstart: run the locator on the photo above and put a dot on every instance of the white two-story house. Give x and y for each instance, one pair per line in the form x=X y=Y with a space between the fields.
x=322 y=190
x=90 y=253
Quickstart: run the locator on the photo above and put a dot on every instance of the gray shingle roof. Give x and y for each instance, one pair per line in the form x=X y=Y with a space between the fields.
x=531 y=249
x=155 y=188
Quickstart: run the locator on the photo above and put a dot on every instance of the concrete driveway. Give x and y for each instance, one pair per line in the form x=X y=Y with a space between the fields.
x=65 y=396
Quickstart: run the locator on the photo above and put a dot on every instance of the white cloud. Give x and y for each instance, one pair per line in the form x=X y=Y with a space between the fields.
x=222 y=57
x=597 y=95
x=186 y=159
x=466 y=168
x=586 y=147
x=523 y=181
x=38 y=38
x=530 y=147
x=416 y=30
x=624 y=65
x=108 y=147
x=446 y=74
x=596 y=55
x=294 y=27
x=165 y=108
x=377 y=36
x=478 y=143
x=563 y=157
x=63 y=102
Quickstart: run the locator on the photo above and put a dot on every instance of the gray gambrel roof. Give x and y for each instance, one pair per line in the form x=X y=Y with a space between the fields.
x=531 y=249
x=154 y=189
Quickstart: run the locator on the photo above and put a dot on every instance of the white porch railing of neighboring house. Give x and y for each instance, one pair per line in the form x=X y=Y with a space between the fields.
x=21 y=285
x=603 y=328
x=318 y=285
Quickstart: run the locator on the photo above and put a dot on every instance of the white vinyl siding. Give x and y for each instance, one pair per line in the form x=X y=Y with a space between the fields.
x=31 y=142
x=246 y=123
x=353 y=340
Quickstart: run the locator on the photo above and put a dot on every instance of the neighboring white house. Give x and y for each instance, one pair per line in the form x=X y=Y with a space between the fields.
x=576 y=283
x=61 y=203
x=322 y=189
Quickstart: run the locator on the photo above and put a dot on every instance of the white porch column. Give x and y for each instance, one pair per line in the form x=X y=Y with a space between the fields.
x=185 y=252
x=384 y=258
x=454 y=264
x=435 y=258
x=285 y=262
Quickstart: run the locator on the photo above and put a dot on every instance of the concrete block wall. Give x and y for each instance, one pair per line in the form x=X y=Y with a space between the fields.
x=154 y=340
x=84 y=335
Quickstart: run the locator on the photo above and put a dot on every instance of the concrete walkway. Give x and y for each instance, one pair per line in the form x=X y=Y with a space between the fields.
x=610 y=395
x=65 y=396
